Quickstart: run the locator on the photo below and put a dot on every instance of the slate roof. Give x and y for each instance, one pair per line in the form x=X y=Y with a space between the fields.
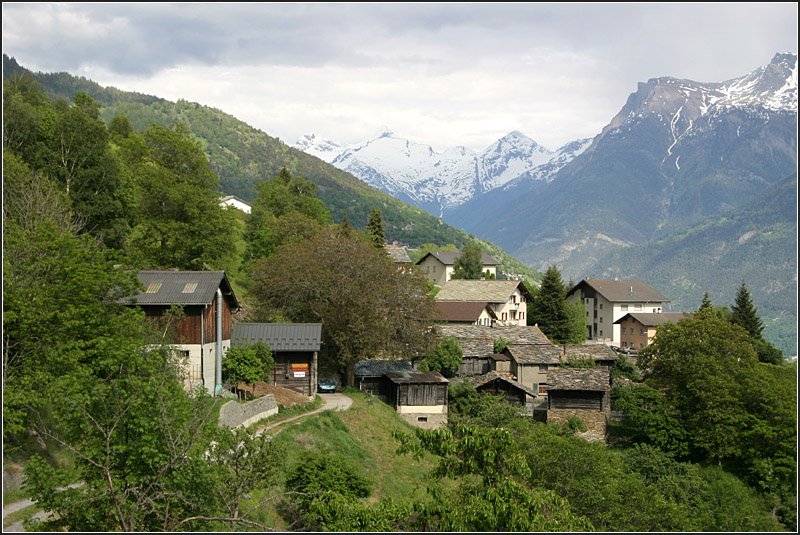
x=478 y=340
x=379 y=368
x=622 y=291
x=534 y=353
x=491 y=291
x=398 y=253
x=494 y=376
x=449 y=259
x=183 y=288
x=651 y=319
x=594 y=379
x=461 y=310
x=597 y=352
x=279 y=336
x=416 y=377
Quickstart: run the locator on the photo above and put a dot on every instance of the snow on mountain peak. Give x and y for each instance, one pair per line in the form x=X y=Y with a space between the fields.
x=314 y=145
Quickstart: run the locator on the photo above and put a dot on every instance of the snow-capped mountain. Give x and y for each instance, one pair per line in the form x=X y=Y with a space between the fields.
x=440 y=181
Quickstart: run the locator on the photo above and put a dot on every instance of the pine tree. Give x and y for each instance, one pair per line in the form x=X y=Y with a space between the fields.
x=549 y=309
x=375 y=229
x=744 y=313
x=706 y=304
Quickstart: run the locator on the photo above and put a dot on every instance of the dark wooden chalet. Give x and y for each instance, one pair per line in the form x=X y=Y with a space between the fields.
x=294 y=347
x=419 y=397
x=581 y=392
x=371 y=376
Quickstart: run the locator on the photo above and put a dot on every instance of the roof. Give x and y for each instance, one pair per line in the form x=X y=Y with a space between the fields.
x=164 y=288
x=398 y=253
x=652 y=319
x=414 y=377
x=449 y=259
x=499 y=357
x=596 y=379
x=378 y=368
x=487 y=291
x=534 y=353
x=461 y=310
x=279 y=336
x=478 y=340
x=494 y=376
x=597 y=352
x=622 y=290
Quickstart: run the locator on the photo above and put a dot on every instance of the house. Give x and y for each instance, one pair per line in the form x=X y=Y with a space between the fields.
x=235 y=202
x=202 y=334
x=505 y=298
x=606 y=301
x=581 y=392
x=371 y=376
x=399 y=254
x=531 y=364
x=470 y=312
x=420 y=398
x=600 y=354
x=477 y=345
x=294 y=347
x=438 y=267
x=637 y=329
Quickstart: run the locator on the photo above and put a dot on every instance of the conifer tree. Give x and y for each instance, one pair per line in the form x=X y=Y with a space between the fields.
x=706 y=304
x=549 y=309
x=375 y=229
x=744 y=313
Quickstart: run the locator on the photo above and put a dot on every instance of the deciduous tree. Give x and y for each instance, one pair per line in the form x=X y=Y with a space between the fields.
x=469 y=265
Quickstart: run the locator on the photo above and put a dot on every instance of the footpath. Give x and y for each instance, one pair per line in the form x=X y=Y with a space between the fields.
x=335 y=402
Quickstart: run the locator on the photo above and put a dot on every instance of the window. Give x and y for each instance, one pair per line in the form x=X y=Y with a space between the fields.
x=513 y=299
x=505 y=316
x=642 y=332
x=522 y=315
x=637 y=306
x=601 y=319
x=624 y=308
x=542 y=368
x=601 y=306
x=513 y=314
x=587 y=313
x=601 y=332
x=542 y=388
x=183 y=353
x=422 y=419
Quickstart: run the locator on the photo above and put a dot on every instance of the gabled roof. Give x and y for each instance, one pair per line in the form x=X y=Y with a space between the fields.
x=449 y=259
x=379 y=368
x=594 y=379
x=398 y=253
x=597 y=352
x=486 y=291
x=494 y=376
x=462 y=310
x=416 y=377
x=651 y=319
x=164 y=288
x=478 y=340
x=534 y=353
x=622 y=290
x=279 y=336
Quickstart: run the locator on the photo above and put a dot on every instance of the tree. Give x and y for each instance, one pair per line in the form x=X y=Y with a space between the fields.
x=744 y=313
x=549 y=309
x=469 y=265
x=366 y=305
x=706 y=304
x=445 y=358
x=375 y=229
x=649 y=418
x=248 y=363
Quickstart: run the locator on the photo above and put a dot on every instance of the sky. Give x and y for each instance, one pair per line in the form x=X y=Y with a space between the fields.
x=443 y=74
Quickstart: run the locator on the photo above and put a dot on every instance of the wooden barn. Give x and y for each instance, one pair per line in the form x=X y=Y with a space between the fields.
x=294 y=346
x=419 y=397
x=201 y=333
x=503 y=384
x=581 y=392
x=371 y=376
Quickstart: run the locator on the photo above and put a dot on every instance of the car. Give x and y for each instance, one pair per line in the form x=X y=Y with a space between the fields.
x=326 y=386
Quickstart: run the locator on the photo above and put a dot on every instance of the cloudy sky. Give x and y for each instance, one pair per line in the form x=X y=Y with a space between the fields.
x=444 y=74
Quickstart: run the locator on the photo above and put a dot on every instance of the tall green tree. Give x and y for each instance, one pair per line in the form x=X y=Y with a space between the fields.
x=469 y=265
x=706 y=303
x=745 y=314
x=445 y=358
x=550 y=310
x=375 y=230
x=367 y=306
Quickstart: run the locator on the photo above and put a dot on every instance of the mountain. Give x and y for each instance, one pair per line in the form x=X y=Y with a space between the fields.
x=441 y=181
x=243 y=156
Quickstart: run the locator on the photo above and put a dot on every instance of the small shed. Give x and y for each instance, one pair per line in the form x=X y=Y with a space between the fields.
x=371 y=376
x=581 y=392
x=504 y=384
x=419 y=397
x=294 y=347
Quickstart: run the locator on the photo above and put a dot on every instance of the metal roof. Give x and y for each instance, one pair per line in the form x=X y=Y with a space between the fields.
x=491 y=291
x=622 y=290
x=411 y=376
x=596 y=379
x=534 y=353
x=653 y=319
x=165 y=288
x=379 y=368
x=449 y=259
x=279 y=336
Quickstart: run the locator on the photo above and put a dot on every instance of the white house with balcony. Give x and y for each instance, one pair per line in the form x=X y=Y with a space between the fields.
x=505 y=300
x=606 y=301
x=438 y=267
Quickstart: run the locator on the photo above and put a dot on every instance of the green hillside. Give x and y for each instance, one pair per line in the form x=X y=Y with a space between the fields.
x=243 y=156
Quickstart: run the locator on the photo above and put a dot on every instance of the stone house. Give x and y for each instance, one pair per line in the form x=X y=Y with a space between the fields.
x=580 y=392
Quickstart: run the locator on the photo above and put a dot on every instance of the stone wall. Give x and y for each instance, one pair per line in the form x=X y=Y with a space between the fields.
x=426 y=420
x=594 y=420
x=235 y=414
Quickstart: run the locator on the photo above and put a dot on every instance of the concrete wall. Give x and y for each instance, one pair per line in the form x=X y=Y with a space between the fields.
x=235 y=414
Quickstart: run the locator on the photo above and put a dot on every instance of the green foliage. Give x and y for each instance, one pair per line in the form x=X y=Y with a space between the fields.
x=550 y=309
x=766 y=352
x=706 y=303
x=445 y=358
x=648 y=418
x=744 y=313
x=468 y=407
x=368 y=307
x=375 y=229
x=248 y=363
x=469 y=265
x=499 y=344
